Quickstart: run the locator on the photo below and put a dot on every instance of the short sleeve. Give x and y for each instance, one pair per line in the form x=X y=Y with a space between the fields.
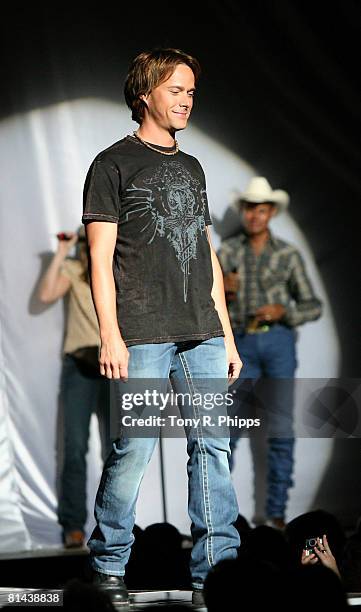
x=101 y=193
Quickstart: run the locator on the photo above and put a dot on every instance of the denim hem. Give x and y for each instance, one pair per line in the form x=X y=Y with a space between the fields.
x=106 y=572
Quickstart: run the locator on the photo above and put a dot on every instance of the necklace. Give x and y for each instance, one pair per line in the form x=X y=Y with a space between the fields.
x=146 y=144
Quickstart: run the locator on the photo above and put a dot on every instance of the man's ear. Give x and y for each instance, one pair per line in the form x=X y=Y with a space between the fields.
x=274 y=210
x=144 y=99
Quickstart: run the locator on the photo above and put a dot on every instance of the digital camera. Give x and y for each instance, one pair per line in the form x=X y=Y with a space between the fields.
x=312 y=543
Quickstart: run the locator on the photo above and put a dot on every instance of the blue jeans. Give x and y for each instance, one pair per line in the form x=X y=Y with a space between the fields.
x=80 y=396
x=271 y=356
x=212 y=503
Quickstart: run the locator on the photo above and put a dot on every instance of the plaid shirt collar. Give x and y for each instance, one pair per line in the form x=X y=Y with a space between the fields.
x=272 y=241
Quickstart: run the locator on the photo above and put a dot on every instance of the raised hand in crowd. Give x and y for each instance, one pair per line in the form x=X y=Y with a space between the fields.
x=322 y=553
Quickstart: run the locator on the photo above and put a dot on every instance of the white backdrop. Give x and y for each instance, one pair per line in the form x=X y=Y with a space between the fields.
x=44 y=157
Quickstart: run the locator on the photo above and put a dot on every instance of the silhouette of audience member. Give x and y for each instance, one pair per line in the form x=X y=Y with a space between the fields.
x=307 y=584
x=269 y=545
x=164 y=564
x=135 y=569
x=250 y=584
x=243 y=527
x=245 y=584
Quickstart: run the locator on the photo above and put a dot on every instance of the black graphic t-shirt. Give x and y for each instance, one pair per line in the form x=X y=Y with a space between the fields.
x=162 y=262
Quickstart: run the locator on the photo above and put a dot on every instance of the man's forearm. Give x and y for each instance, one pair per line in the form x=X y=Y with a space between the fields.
x=104 y=296
x=48 y=284
x=114 y=355
x=299 y=313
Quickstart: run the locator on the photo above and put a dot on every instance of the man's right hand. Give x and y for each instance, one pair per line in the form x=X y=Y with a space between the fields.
x=113 y=358
x=64 y=246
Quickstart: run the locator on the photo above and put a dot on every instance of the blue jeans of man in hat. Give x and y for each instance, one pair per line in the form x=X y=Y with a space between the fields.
x=270 y=357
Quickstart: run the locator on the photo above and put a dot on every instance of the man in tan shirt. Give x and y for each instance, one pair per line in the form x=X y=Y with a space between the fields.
x=82 y=387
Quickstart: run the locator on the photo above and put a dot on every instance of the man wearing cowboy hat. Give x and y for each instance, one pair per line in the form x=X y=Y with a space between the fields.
x=268 y=294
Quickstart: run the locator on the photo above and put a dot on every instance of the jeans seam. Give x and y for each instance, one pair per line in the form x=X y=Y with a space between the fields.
x=205 y=486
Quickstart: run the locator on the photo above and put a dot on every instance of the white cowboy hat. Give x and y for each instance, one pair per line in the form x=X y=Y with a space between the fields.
x=259 y=190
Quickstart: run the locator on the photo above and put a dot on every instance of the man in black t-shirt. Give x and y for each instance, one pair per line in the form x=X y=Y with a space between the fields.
x=158 y=292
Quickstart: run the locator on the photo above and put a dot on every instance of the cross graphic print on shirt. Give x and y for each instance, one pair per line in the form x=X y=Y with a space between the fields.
x=182 y=204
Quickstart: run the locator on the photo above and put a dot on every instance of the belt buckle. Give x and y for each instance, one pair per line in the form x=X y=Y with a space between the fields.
x=263 y=328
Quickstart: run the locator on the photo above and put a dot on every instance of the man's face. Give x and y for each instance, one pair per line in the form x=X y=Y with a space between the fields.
x=170 y=104
x=256 y=217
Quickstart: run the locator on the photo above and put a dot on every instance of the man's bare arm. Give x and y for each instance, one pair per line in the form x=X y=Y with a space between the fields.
x=54 y=283
x=114 y=354
x=218 y=295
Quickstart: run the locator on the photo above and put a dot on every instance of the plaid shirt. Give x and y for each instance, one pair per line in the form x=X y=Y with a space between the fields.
x=276 y=276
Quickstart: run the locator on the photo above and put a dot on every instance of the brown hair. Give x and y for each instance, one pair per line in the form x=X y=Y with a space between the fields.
x=148 y=70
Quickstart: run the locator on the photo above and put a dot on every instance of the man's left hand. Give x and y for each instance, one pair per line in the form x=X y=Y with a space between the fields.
x=270 y=312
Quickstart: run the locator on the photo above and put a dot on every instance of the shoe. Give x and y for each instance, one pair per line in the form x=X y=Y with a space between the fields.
x=276 y=523
x=113 y=586
x=74 y=539
x=198 y=599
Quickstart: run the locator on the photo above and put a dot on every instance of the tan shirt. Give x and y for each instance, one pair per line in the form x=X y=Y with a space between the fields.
x=82 y=328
